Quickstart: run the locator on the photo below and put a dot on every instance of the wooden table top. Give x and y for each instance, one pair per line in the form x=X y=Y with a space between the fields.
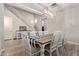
x=43 y=39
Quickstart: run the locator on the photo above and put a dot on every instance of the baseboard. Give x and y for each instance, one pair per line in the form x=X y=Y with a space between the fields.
x=16 y=38
x=7 y=39
x=71 y=42
x=2 y=51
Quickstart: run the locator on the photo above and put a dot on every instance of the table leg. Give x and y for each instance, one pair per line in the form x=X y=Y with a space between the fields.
x=42 y=50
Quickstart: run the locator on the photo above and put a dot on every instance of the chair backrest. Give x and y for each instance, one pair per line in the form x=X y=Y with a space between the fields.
x=27 y=45
x=45 y=32
x=49 y=36
x=40 y=33
x=58 y=38
x=33 y=33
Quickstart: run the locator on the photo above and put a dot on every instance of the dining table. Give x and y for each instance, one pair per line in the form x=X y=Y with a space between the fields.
x=43 y=41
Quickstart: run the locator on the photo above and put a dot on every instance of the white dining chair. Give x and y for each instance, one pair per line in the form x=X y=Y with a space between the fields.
x=40 y=33
x=56 y=42
x=29 y=49
x=33 y=33
x=33 y=36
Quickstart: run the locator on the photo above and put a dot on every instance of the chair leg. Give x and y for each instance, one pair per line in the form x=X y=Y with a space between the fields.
x=57 y=51
x=63 y=50
x=50 y=53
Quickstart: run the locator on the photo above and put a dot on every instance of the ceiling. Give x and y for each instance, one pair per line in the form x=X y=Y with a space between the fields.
x=52 y=7
x=38 y=8
x=41 y=6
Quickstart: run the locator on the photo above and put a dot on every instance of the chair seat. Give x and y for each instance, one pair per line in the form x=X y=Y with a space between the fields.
x=35 y=50
x=55 y=45
x=59 y=45
x=47 y=48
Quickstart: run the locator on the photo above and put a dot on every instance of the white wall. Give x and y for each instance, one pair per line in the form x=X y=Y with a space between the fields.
x=71 y=23
x=67 y=21
x=39 y=23
x=1 y=26
x=12 y=26
x=53 y=24
x=56 y=23
x=27 y=18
